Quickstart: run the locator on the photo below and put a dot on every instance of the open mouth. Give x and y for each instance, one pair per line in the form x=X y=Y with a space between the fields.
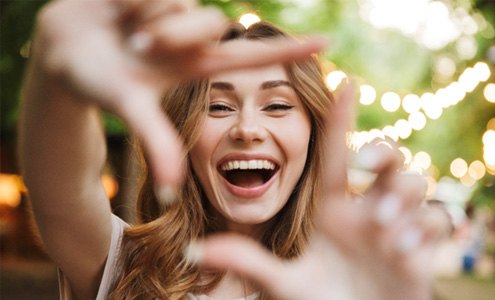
x=248 y=173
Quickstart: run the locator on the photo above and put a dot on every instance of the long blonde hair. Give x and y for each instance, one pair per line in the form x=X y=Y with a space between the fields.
x=151 y=262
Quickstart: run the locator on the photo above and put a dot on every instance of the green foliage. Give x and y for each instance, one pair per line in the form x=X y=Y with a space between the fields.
x=16 y=21
x=384 y=59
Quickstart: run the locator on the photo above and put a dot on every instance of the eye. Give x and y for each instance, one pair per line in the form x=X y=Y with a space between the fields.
x=280 y=107
x=219 y=108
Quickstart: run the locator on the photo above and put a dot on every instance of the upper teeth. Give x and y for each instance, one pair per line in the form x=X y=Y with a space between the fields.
x=247 y=165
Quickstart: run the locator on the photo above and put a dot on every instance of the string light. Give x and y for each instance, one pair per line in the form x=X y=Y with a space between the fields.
x=422 y=159
x=249 y=19
x=434 y=24
x=417 y=120
x=368 y=94
x=403 y=128
x=489 y=92
x=11 y=187
x=488 y=140
x=491 y=124
x=391 y=132
x=467 y=180
x=334 y=79
x=476 y=170
x=410 y=103
x=458 y=167
x=390 y=101
x=429 y=105
x=110 y=185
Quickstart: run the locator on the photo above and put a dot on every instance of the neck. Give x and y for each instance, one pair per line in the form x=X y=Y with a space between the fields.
x=232 y=286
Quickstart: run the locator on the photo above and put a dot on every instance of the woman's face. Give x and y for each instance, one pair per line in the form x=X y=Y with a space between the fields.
x=253 y=146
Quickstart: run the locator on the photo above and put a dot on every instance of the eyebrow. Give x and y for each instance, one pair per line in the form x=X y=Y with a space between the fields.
x=220 y=85
x=274 y=83
x=226 y=86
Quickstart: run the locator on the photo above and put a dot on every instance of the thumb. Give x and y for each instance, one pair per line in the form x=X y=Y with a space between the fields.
x=243 y=256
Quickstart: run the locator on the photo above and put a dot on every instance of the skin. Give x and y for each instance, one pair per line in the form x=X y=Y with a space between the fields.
x=254 y=115
x=76 y=71
x=353 y=254
x=69 y=81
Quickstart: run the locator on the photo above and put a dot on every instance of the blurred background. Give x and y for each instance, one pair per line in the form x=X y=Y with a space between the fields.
x=425 y=74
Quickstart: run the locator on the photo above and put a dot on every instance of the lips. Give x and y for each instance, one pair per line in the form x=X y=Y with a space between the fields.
x=244 y=175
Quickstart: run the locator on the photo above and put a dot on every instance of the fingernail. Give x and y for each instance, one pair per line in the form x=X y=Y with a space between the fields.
x=166 y=194
x=193 y=252
x=388 y=208
x=139 y=42
x=360 y=180
x=409 y=240
x=367 y=158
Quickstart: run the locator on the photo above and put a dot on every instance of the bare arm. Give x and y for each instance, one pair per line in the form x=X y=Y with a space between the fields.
x=81 y=62
x=62 y=151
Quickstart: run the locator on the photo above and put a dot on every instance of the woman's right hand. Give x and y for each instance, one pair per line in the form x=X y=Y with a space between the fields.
x=122 y=55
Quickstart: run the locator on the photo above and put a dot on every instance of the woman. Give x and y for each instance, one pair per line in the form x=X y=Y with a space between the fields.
x=265 y=159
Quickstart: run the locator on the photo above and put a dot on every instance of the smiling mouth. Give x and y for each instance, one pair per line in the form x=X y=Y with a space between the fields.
x=248 y=173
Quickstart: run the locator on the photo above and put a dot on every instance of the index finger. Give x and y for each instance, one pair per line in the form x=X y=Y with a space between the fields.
x=229 y=55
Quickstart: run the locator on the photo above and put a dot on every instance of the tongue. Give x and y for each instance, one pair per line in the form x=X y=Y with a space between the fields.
x=245 y=179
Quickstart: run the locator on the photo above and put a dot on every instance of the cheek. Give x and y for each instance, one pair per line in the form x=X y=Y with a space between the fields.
x=295 y=139
x=202 y=152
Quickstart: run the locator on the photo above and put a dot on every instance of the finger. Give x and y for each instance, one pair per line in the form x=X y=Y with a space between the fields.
x=392 y=206
x=434 y=222
x=411 y=187
x=242 y=256
x=339 y=220
x=421 y=229
x=160 y=140
x=238 y=54
x=373 y=166
x=378 y=156
x=343 y=222
x=338 y=124
x=183 y=31
x=140 y=12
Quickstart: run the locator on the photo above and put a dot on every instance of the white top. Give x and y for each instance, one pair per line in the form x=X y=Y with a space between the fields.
x=110 y=270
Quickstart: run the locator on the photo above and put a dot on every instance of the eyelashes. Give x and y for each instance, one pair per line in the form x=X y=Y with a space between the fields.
x=219 y=107
x=275 y=107
x=278 y=107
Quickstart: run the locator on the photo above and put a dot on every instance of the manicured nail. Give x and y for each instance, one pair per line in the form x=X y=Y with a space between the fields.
x=166 y=194
x=193 y=252
x=388 y=208
x=140 y=42
x=409 y=240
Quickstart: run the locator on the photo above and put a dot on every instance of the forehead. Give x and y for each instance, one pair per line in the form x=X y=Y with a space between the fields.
x=252 y=75
x=257 y=74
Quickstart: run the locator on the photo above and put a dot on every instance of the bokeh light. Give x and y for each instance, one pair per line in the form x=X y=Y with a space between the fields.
x=390 y=101
x=249 y=19
x=458 y=167
x=368 y=94
x=489 y=92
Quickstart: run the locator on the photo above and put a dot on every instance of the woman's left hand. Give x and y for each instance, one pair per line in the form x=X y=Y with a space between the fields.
x=377 y=247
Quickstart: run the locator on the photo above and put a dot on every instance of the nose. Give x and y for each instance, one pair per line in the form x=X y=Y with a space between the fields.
x=248 y=129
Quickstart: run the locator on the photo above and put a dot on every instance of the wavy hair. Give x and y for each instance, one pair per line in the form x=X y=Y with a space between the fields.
x=152 y=264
